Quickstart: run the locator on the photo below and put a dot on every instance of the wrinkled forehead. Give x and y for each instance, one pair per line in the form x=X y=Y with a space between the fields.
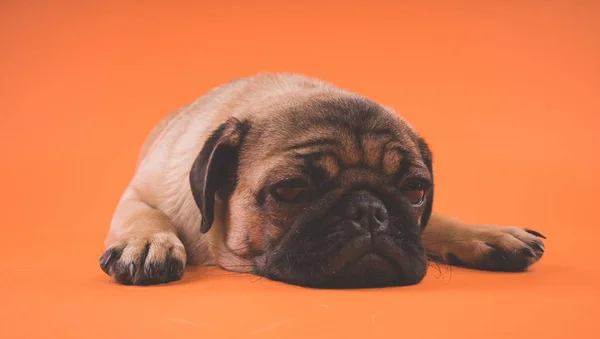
x=350 y=122
x=340 y=133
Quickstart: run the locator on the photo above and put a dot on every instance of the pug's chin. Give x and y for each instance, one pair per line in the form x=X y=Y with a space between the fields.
x=371 y=270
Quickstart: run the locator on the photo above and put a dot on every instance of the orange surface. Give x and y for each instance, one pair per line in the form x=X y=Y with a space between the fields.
x=507 y=95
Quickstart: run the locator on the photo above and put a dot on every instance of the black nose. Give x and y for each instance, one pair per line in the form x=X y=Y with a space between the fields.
x=365 y=209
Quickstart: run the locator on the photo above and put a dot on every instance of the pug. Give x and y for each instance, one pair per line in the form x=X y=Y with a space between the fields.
x=296 y=180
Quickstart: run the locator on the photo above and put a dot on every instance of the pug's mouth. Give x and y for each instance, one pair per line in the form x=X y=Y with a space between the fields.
x=366 y=261
x=370 y=261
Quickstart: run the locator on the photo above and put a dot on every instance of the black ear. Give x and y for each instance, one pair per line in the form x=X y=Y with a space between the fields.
x=428 y=159
x=215 y=168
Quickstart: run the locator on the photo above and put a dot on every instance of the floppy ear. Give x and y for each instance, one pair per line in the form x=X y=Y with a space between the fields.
x=428 y=159
x=215 y=168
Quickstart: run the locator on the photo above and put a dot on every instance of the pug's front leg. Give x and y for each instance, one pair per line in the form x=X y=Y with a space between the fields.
x=483 y=247
x=142 y=247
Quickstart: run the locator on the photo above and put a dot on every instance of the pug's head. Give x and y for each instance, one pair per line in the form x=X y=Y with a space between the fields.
x=329 y=191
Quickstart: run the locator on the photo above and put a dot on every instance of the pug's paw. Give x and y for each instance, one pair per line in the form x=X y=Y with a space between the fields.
x=495 y=248
x=145 y=260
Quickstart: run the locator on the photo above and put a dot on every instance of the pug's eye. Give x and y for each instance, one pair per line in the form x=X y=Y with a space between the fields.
x=291 y=191
x=415 y=193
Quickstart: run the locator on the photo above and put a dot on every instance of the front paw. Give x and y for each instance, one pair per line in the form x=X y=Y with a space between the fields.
x=496 y=248
x=145 y=260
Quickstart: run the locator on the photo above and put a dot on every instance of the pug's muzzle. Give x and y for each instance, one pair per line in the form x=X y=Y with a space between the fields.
x=363 y=242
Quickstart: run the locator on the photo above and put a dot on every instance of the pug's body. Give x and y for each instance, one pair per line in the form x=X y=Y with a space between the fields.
x=296 y=180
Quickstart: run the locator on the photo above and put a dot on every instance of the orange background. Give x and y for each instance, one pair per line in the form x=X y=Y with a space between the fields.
x=506 y=92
